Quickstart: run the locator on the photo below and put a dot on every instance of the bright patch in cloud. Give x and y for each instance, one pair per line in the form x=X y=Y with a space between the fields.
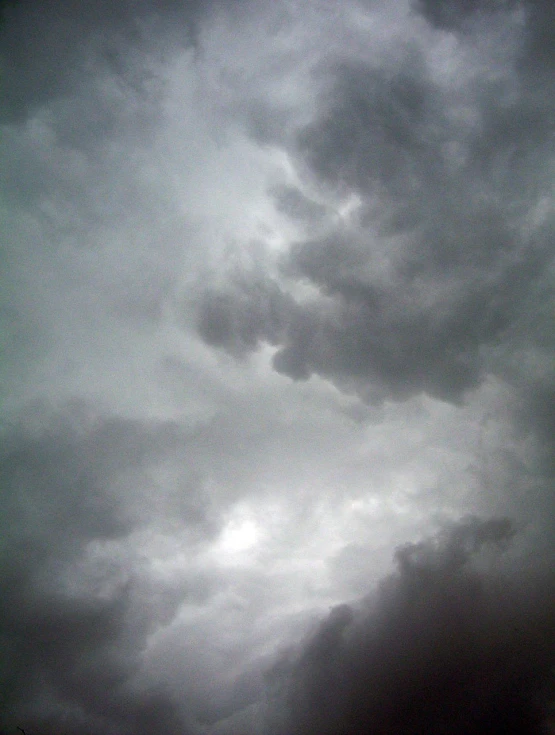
x=240 y=534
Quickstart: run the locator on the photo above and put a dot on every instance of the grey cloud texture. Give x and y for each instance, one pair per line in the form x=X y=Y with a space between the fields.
x=74 y=626
x=249 y=310
x=277 y=299
x=451 y=232
x=50 y=49
x=454 y=15
x=450 y=643
x=80 y=599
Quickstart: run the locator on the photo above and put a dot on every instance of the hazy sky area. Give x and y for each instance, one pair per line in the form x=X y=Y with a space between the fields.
x=277 y=308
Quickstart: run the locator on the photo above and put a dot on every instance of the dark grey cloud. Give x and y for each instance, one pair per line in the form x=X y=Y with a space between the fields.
x=73 y=626
x=452 y=15
x=442 y=254
x=80 y=83
x=151 y=567
x=75 y=79
x=50 y=48
x=250 y=310
x=455 y=15
x=296 y=205
x=455 y=641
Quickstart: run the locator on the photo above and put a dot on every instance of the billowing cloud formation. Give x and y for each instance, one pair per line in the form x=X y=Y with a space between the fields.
x=451 y=643
x=447 y=177
x=276 y=299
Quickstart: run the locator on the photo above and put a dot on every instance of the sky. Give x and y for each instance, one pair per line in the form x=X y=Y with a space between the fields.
x=277 y=379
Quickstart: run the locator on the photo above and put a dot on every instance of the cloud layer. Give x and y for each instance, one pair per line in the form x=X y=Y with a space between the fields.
x=276 y=304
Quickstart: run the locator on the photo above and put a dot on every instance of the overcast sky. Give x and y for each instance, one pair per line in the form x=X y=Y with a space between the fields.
x=278 y=377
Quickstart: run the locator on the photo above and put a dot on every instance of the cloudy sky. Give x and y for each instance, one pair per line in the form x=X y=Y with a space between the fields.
x=278 y=378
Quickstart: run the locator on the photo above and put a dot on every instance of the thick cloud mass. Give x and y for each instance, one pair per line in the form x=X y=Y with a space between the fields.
x=445 y=248
x=448 y=645
x=276 y=304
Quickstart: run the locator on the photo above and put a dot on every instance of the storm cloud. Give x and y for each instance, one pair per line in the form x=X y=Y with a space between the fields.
x=450 y=643
x=277 y=408
x=449 y=233
x=75 y=618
